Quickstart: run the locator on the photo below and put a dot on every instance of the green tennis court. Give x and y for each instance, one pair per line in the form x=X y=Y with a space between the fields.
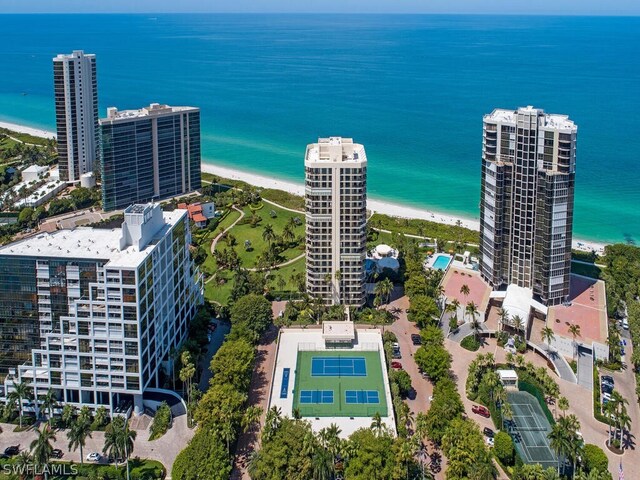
x=529 y=429
x=358 y=391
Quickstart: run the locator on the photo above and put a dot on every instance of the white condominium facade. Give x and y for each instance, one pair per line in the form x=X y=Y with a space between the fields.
x=526 y=208
x=103 y=308
x=336 y=217
x=76 y=99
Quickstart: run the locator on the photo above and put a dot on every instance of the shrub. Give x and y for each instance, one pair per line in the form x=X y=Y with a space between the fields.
x=503 y=448
x=161 y=421
x=595 y=459
x=402 y=379
x=470 y=343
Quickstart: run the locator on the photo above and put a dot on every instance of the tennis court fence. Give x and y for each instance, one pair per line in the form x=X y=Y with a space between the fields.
x=361 y=347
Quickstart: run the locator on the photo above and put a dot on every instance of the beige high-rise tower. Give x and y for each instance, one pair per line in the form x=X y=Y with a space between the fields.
x=526 y=204
x=336 y=217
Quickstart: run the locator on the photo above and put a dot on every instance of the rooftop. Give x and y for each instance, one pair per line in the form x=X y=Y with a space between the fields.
x=551 y=120
x=153 y=110
x=335 y=149
x=74 y=54
x=89 y=243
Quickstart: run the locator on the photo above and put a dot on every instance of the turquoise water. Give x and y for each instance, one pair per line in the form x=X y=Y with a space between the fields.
x=412 y=89
x=442 y=262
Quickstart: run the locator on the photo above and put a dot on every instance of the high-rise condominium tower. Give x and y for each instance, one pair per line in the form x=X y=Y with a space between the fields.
x=526 y=208
x=94 y=314
x=336 y=215
x=76 y=97
x=149 y=154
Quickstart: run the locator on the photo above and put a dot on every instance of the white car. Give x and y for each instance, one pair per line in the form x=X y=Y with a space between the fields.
x=489 y=441
x=93 y=457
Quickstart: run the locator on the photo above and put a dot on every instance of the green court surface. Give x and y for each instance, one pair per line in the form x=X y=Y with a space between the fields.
x=357 y=385
x=529 y=429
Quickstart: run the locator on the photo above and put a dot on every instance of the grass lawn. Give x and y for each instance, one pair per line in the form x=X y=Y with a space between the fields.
x=429 y=229
x=373 y=380
x=287 y=272
x=244 y=231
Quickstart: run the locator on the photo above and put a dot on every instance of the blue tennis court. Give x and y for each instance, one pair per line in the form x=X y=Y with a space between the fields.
x=285 y=382
x=316 y=396
x=338 y=367
x=362 y=396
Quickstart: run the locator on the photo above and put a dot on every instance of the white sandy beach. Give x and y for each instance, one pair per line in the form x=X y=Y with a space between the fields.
x=379 y=206
x=36 y=132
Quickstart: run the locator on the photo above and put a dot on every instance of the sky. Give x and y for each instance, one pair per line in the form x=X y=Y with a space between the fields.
x=536 y=7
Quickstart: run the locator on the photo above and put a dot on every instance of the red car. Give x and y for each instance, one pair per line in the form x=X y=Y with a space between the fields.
x=480 y=410
x=396 y=365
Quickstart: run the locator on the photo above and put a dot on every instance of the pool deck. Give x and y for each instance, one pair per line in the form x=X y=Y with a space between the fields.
x=479 y=290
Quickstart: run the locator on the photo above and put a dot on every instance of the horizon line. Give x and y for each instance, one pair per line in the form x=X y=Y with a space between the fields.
x=200 y=12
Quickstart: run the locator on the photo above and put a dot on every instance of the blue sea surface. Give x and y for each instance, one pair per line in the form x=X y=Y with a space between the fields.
x=411 y=88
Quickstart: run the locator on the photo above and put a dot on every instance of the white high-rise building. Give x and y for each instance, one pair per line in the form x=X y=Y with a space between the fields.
x=336 y=218
x=526 y=208
x=92 y=313
x=76 y=98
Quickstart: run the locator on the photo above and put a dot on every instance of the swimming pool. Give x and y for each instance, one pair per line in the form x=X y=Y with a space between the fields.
x=442 y=261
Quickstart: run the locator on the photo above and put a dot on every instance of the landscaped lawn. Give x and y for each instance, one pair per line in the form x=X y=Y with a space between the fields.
x=287 y=272
x=244 y=231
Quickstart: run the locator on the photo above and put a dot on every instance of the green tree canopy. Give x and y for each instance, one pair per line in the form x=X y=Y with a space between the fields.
x=204 y=457
x=423 y=311
x=251 y=315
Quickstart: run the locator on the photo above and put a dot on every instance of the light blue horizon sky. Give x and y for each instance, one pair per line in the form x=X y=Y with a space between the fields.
x=528 y=7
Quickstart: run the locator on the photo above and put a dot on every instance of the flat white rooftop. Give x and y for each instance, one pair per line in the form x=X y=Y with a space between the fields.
x=153 y=110
x=551 y=120
x=335 y=149
x=89 y=243
x=338 y=331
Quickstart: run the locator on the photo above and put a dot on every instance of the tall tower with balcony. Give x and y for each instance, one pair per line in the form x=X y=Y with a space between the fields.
x=526 y=205
x=336 y=217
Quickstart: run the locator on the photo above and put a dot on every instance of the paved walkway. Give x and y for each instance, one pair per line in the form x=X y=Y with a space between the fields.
x=585 y=369
x=259 y=391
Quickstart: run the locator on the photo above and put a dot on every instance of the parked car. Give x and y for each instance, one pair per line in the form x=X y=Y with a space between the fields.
x=415 y=338
x=57 y=453
x=488 y=432
x=396 y=355
x=12 y=450
x=481 y=410
x=606 y=396
x=607 y=379
x=489 y=441
x=606 y=388
x=93 y=457
x=396 y=365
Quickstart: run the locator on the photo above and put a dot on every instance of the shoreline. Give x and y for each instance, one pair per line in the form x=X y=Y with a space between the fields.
x=378 y=206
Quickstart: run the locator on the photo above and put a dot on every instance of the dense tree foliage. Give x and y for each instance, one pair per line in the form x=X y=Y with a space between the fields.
x=445 y=407
x=503 y=448
x=204 y=457
x=424 y=311
x=434 y=361
x=467 y=455
x=251 y=315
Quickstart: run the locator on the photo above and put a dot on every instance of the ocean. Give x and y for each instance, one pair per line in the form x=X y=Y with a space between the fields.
x=411 y=88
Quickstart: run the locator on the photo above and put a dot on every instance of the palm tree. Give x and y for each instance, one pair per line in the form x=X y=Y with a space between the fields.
x=510 y=358
x=250 y=417
x=23 y=463
x=267 y=234
x=376 y=424
x=288 y=234
x=119 y=440
x=21 y=391
x=547 y=336
x=559 y=441
x=608 y=410
x=49 y=402
x=464 y=290
x=574 y=330
x=405 y=453
x=41 y=448
x=384 y=289
x=77 y=436
x=503 y=316
x=271 y=422
x=472 y=310
x=518 y=323
x=563 y=405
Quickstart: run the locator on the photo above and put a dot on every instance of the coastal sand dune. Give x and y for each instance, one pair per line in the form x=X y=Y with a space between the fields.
x=378 y=206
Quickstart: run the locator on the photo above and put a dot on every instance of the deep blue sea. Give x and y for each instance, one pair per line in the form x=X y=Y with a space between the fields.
x=412 y=89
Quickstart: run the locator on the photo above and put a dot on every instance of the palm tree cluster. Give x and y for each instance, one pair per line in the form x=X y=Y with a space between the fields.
x=382 y=291
x=567 y=442
x=618 y=417
x=119 y=440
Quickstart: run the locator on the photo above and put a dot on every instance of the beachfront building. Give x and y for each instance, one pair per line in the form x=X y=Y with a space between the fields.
x=336 y=203
x=76 y=100
x=526 y=208
x=149 y=154
x=94 y=313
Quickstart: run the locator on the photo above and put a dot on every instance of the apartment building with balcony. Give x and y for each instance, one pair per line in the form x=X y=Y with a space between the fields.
x=149 y=154
x=526 y=207
x=336 y=217
x=76 y=105
x=94 y=314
